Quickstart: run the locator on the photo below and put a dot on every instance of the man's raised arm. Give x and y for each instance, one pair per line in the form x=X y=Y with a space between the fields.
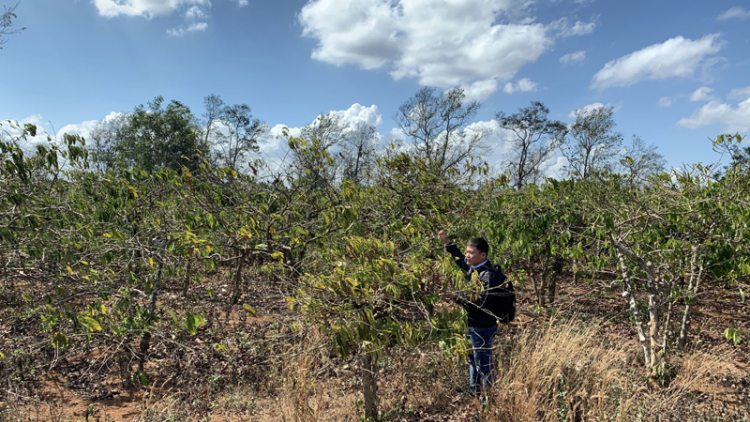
x=451 y=248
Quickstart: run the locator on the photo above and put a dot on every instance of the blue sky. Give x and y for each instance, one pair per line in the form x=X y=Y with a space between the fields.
x=676 y=71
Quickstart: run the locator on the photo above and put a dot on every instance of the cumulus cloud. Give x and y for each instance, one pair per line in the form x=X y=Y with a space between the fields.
x=676 y=57
x=588 y=108
x=665 y=102
x=359 y=113
x=193 y=27
x=480 y=90
x=578 y=56
x=733 y=118
x=14 y=129
x=146 y=8
x=564 y=30
x=702 y=94
x=475 y=44
x=735 y=12
x=524 y=85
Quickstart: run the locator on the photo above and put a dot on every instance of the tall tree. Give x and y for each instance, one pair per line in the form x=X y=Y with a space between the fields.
x=533 y=138
x=6 y=23
x=230 y=130
x=358 y=152
x=243 y=132
x=214 y=107
x=103 y=141
x=594 y=143
x=316 y=162
x=158 y=137
x=435 y=124
x=642 y=160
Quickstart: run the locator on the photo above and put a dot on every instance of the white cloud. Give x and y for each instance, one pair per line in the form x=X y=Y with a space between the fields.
x=739 y=93
x=147 y=8
x=702 y=94
x=242 y=3
x=734 y=119
x=676 y=57
x=557 y=169
x=193 y=27
x=480 y=90
x=470 y=43
x=359 y=113
x=588 y=108
x=495 y=139
x=195 y=12
x=14 y=129
x=578 y=56
x=579 y=28
x=665 y=102
x=524 y=85
x=735 y=12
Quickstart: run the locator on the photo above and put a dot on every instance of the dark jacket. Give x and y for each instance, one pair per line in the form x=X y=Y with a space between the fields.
x=497 y=299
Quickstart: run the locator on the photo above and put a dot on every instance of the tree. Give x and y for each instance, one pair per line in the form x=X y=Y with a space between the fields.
x=435 y=125
x=231 y=130
x=161 y=137
x=314 y=160
x=214 y=106
x=594 y=144
x=358 y=152
x=103 y=141
x=244 y=131
x=731 y=145
x=534 y=138
x=6 y=23
x=642 y=160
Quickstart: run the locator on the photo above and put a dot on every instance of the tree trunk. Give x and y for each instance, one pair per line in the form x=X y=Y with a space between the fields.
x=695 y=281
x=370 y=386
x=186 y=282
x=238 y=278
x=634 y=308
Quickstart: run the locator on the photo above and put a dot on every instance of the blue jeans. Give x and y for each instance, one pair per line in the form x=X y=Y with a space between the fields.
x=480 y=358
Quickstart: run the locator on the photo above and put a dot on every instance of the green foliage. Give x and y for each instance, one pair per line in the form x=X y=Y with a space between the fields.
x=735 y=335
x=157 y=137
x=362 y=258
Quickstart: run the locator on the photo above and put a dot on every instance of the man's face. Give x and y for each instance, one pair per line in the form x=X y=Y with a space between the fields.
x=474 y=256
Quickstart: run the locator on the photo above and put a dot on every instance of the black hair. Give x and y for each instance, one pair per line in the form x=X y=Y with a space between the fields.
x=480 y=244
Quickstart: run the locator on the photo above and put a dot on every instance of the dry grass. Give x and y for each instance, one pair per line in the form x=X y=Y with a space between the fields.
x=559 y=372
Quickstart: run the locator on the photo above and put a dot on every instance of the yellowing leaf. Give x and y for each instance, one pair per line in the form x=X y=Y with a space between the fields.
x=93 y=324
x=249 y=309
x=150 y=261
x=277 y=255
x=60 y=340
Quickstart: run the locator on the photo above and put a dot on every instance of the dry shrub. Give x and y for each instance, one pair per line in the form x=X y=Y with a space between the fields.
x=560 y=372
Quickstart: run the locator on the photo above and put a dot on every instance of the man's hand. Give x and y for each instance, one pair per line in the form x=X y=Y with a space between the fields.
x=443 y=237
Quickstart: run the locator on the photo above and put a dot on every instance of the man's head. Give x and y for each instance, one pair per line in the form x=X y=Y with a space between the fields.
x=476 y=251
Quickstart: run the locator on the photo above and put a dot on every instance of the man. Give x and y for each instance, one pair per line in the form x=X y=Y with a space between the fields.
x=496 y=303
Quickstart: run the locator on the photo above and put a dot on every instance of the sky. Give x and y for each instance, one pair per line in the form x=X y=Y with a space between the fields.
x=676 y=72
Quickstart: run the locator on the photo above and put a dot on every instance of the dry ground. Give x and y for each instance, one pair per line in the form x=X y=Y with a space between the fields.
x=578 y=360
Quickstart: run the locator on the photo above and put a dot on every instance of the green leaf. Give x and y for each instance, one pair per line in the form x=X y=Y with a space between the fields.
x=60 y=340
x=143 y=378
